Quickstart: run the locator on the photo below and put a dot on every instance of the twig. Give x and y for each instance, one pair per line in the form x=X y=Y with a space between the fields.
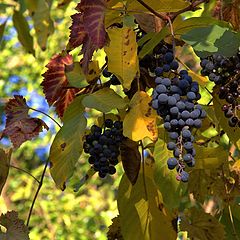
x=20 y=169
x=37 y=192
x=172 y=33
x=36 y=110
x=161 y=16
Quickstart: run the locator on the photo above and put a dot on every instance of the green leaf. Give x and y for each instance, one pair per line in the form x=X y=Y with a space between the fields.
x=210 y=158
x=67 y=145
x=213 y=39
x=2 y=27
x=5 y=157
x=23 y=29
x=142 y=215
x=76 y=77
x=150 y=45
x=43 y=23
x=104 y=100
x=171 y=189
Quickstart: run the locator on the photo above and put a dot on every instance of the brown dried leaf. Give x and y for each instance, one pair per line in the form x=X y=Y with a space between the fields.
x=149 y=22
x=131 y=159
x=16 y=230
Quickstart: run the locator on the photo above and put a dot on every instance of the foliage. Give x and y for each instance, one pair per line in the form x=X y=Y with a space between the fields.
x=119 y=61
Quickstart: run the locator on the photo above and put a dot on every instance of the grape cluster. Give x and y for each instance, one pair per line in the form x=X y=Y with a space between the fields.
x=103 y=146
x=161 y=60
x=174 y=99
x=225 y=72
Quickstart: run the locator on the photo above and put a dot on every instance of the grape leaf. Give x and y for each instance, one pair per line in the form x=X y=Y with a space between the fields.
x=22 y=27
x=104 y=100
x=210 y=158
x=43 y=23
x=140 y=120
x=171 y=189
x=232 y=132
x=93 y=20
x=55 y=83
x=5 y=157
x=78 y=33
x=122 y=55
x=141 y=209
x=15 y=227
x=212 y=39
x=67 y=144
x=131 y=159
x=202 y=225
x=20 y=127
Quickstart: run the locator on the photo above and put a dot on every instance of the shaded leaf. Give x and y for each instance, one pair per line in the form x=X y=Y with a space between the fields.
x=158 y=5
x=104 y=100
x=131 y=159
x=78 y=32
x=114 y=230
x=22 y=27
x=20 y=127
x=202 y=225
x=2 y=28
x=210 y=158
x=43 y=23
x=171 y=189
x=67 y=144
x=232 y=132
x=93 y=20
x=212 y=39
x=141 y=209
x=140 y=120
x=15 y=227
x=55 y=83
x=5 y=157
x=122 y=55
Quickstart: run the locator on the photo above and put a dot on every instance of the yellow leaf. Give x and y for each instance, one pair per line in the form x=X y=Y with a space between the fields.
x=93 y=71
x=4 y=166
x=122 y=55
x=236 y=167
x=200 y=79
x=140 y=121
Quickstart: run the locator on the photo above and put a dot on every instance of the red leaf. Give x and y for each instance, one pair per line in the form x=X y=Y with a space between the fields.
x=78 y=33
x=25 y=129
x=16 y=109
x=93 y=20
x=20 y=127
x=55 y=83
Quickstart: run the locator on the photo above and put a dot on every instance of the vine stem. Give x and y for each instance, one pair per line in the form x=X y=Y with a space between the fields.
x=36 y=110
x=37 y=192
x=172 y=33
x=22 y=170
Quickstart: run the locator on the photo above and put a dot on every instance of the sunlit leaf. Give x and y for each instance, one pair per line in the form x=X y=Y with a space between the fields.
x=122 y=55
x=93 y=20
x=141 y=209
x=131 y=159
x=104 y=100
x=43 y=23
x=5 y=157
x=171 y=189
x=15 y=227
x=22 y=27
x=202 y=225
x=140 y=120
x=67 y=145
x=198 y=78
x=55 y=83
